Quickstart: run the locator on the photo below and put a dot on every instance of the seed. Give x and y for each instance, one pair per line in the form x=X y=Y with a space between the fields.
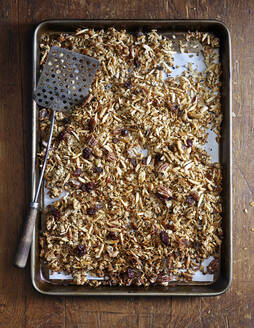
x=91 y=211
x=124 y=132
x=112 y=235
x=87 y=153
x=91 y=124
x=88 y=187
x=165 y=238
x=80 y=250
x=77 y=172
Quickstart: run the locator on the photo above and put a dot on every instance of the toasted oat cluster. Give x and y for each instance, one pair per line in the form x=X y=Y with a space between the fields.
x=143 y=202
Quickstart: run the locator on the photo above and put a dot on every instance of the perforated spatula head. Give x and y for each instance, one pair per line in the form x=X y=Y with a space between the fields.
x=65 y=79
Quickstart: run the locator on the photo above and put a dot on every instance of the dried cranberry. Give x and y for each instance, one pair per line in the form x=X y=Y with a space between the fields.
x=91 y=211
x=55 y=212
x=91 y=124
x=88 y=187
x=159 y=68
x=136 y=63
x=80 y=250
x=180 y=113
x=194 y=195
x=62 y=135
x=196 y=244
x=87 y=153
x=77 y=172
x=213 y=266
x=174 y=107
x=112 y=235
x=66 y=120
x=158 y=157
x=144 y=160
x=133 y=162
x=190 y=200
x=124 y=132
x=171 y=148
x=115 y=140
x=128 y=84
x=165 y=238
x=139 y=33
x=98 y=169
x=130 y=273
x=182 y=243
x=155 y=102
x=189 y=142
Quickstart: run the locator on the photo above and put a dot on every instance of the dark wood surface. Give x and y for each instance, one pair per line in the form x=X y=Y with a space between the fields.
x=20 y=304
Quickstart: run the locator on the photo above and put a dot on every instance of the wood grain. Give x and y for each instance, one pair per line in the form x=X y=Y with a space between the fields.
x=20 y=304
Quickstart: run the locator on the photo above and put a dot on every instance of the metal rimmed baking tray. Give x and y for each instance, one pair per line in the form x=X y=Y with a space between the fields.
x=223 y=281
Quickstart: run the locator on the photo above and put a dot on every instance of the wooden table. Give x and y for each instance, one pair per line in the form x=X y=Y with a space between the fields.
x=20 y=304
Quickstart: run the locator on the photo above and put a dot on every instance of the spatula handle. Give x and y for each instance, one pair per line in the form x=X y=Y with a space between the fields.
x=25 y=240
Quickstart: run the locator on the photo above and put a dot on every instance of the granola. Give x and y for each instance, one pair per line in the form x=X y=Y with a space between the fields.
x=143 y=204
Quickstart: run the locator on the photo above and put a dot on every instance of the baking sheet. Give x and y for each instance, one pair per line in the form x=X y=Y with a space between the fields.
x=181 y=62
x=220 y=285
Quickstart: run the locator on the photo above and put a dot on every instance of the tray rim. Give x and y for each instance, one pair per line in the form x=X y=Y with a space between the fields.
x=109 y=292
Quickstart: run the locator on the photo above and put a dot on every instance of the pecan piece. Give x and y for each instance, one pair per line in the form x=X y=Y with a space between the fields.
x=91 y=124
x=164 y=193
x=213 y=266
x=165 y=238
x=87 y=100
x=162 y=167
x=88 y=187
x=163 y=279
x=111 y=157
x=87 y=153
x=80 y=250
x=91 y=141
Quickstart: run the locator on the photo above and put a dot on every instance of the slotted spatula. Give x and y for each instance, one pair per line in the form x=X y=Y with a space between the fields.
x=63 y=84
